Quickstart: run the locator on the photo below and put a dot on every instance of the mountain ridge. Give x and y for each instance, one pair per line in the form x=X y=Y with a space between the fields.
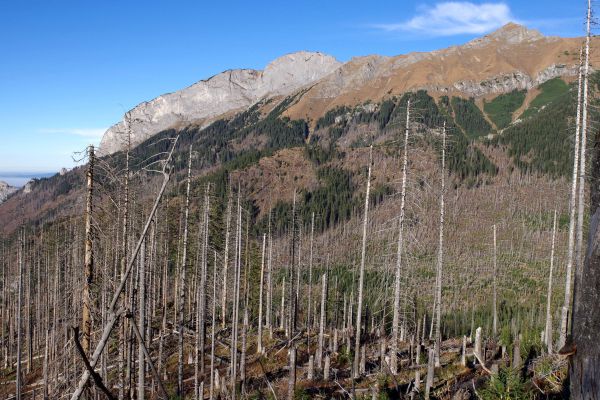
x=230 y=90
x=512 y=57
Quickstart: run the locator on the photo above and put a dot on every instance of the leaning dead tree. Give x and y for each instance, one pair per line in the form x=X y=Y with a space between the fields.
x=113 y=314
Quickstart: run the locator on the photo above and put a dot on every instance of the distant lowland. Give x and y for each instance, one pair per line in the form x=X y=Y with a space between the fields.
x=19 y=179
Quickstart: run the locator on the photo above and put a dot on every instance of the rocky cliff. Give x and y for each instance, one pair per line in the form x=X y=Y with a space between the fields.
x=230 y=90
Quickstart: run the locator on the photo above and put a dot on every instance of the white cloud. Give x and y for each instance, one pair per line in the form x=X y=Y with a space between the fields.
x=454 y=18
x=94 y=133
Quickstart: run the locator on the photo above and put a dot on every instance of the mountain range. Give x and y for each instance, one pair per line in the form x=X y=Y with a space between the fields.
x=513 y=57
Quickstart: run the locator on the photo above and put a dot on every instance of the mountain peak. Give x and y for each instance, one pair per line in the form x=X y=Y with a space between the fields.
x=510 y=33
x=514 y=33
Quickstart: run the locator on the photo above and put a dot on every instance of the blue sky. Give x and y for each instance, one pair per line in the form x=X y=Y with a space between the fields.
x=70 y=69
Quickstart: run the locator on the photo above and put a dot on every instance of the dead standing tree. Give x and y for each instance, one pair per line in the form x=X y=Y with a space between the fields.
x=438 y=285
x=182 y=282
x=396 y=317
x=361 y=279
x=572 y=215
x=86 y=317
x=585 y=363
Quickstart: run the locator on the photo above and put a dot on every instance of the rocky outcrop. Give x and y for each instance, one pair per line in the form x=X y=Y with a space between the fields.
x=6 y=190
x=506 y=82
x=230 y=90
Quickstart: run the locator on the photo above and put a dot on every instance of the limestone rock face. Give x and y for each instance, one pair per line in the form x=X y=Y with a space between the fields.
x=227 y=91
x=6 y=190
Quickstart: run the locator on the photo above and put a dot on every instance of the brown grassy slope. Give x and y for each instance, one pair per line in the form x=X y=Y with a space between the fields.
x=512 y=49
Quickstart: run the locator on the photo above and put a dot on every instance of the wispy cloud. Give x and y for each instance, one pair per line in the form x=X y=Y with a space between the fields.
x=94 y=133
x=453 y=18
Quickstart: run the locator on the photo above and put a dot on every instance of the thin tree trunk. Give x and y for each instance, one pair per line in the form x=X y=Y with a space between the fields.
x=361 y=278
x=86 y=319
x=438 y=294
x=310 y=267
x=212 y=329
x=396 y=316
x=225 y=263
x=585 y=363
x=548 y=331
x=182 y=281
x=495 y=294
x=322 y=322
x=259 y=347
x=19 y=310
x=269 y=283
x=564 y=317
x=124 y=243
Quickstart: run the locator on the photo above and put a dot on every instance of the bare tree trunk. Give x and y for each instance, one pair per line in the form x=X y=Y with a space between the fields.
x=270 y=283
x=124 y=243
x=19 y=310
x=236 y=304
x=361 y=278
x=86 y=319
x=259 y=346
x=438 y=294
x=226 y=263
x=585 y=363
x=548 y=331
x=292 y=377
x=212 y=328
x=322 y=322
x=582 y=158
x=396 y=317
x=495 y=294
x=310 y=267
x=182 y=282
x=564 y=318
x=142 y=322
x=291 y=325
x=430 y=373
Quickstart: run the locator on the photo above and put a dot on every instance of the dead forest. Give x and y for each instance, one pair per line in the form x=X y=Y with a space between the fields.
x=170 y=282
